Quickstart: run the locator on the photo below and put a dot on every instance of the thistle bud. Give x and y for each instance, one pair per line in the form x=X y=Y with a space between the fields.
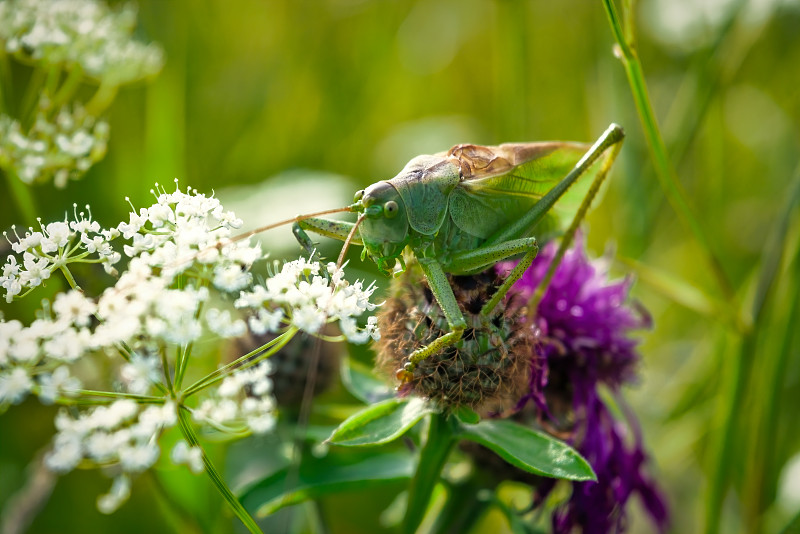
x=487 y=369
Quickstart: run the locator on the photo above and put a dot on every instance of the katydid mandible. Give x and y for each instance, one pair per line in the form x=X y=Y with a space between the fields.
x=462 y=211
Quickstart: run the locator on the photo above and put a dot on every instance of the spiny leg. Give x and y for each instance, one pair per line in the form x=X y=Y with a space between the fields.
x=569 y=235
x=473 y=260
x=326 y=227
x=611 y=138
x=440 y=287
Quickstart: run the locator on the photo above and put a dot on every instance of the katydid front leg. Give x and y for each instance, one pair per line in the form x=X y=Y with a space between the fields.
x=326 y=227
x=471 y=261
x=440 y=287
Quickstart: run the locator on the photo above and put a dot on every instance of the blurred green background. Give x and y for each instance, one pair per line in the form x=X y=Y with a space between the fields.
x=303 y=102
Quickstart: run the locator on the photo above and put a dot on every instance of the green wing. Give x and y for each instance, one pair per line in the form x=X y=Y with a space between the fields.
x=502 y=183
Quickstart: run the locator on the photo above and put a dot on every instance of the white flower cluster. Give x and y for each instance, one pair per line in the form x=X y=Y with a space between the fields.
x=243 y=402
x=142 y=310
x=60 y=149
x=183 y=264
x=304 y=296
x=36 y=357
x=55 y=246
x=123 y=433
x=79 y=32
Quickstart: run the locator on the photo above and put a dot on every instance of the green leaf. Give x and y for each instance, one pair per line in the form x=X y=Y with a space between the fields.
x=329 y=475
x=380 y=423
x=529 y=450
x=362 y=384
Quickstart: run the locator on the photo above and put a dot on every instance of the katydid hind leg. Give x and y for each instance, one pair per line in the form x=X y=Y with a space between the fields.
x=612 y=137
x=569 y=235
x=484 y=257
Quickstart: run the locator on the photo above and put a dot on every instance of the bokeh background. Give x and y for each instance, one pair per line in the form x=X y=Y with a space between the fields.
x=283 y=107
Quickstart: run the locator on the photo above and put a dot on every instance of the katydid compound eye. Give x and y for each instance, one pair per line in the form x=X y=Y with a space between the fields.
x=359 y=195
x=390 y=209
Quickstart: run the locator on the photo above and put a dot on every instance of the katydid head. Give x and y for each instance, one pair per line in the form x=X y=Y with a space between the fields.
x=384 y=228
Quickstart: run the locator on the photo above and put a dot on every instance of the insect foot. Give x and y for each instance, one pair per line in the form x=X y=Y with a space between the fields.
x=487 y=369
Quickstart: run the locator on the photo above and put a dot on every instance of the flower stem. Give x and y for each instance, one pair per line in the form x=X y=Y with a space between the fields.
x=101 y=100
x=668 y=180
x=243 y=362
x=67 y=89
x=118 y=395
x=191 y=437
x=6 y=83
x=70 y=279
x=432 y=459
x=165 y=369
x=742 y=383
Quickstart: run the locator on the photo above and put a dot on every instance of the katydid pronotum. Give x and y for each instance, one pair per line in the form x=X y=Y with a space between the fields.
x=462 y=211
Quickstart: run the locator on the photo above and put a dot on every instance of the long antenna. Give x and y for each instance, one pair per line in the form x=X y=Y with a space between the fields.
x=287 y=221
x=348 y=241
x=293 y=474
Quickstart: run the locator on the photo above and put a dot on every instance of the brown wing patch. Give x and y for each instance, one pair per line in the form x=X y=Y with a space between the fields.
x=477 y=161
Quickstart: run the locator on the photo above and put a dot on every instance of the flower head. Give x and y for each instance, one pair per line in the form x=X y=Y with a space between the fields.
x=486 y=370
x=584 y=322
x=84 y=32
x=60 y=148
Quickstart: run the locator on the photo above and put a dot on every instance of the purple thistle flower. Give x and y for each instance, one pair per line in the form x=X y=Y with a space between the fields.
x=584 y=322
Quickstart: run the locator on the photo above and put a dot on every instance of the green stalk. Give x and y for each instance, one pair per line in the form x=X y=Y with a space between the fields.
x=70 y=279
x=772 y=363
x=68 y=88
x=242 y=362
x=433 y=456
x=463 y=508
x=191 y=438
x=182 y=364
x=118 y=395
x=165 y=369
x=6 y=83
x=667 y=178
x=101 y=100
x=741 y=378
x=28 y=106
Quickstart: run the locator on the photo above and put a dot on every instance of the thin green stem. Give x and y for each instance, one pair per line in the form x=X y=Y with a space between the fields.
x=432 y=459
x=68 y=88
x=248 y=360
x=51 y=83
x=70 y=279
x=464 y=505
x=119 y=395
x=182 y=358
x=667 y=177
x=30 y=100
x=742 y=379
x=165 y=368
x=191 y=438
x=101 y=100
x=6 y=83
x=181 y=362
